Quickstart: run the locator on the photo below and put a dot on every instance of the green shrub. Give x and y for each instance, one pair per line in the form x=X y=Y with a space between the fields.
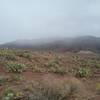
x=16 y=78
x=2 y=80
x=83 y=72
x=15 y=67
x=54 y=66
x=25 y=55
x=38 y=69
x=58 y=70
x=10 y=57
x=98 y=88
x=52 y=63
x=7 y=54
x=97 y=65
x=11 y=94
x=8 y=95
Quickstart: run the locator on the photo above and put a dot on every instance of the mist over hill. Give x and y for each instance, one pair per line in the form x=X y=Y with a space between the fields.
x=68 y=44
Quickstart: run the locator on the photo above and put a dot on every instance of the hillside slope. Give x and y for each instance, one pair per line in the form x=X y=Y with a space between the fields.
x=78 y=43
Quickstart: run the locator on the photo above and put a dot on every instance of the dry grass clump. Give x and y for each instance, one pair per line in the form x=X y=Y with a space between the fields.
x=65 y=89
x=58 y=90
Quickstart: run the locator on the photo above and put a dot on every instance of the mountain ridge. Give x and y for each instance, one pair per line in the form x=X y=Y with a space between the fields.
x=73 y=43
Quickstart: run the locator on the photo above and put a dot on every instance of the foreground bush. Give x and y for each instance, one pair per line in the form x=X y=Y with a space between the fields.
x=57 y=90
x=15 y=67
x=71 y=89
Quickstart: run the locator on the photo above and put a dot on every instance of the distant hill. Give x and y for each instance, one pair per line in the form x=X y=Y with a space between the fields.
x=64 y=44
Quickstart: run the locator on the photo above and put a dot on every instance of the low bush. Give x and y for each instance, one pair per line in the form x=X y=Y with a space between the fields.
x=26 y=55
x=38 y=69
x=58 y=70
x=8 y=95
x=7 y=54
x=83 y=72
x=98 y=88
x=15 y=67
x=54 y=67
x=11 y=94
x=97 y=65
x=2 y=80
x=52 y=63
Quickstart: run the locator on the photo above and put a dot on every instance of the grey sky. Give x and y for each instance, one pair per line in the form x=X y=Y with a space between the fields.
x=21 y=19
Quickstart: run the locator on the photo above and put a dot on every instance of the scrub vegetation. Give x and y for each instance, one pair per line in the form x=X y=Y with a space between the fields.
x=31 y=75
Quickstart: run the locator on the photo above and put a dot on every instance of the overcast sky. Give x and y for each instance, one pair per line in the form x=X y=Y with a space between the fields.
x=24 y=19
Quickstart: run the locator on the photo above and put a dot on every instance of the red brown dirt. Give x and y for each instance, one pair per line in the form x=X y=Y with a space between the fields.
x=66 y=61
